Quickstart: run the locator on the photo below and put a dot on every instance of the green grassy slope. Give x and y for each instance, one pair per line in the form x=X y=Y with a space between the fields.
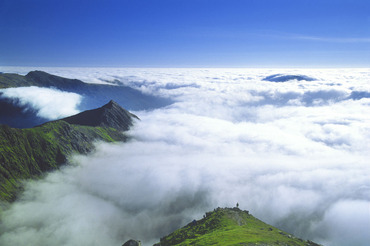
x=28 y=153
x=8 y=80
x=226 y=226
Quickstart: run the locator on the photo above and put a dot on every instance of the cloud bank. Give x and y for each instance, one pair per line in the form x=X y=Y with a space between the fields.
x=294 y=154
x=48 y=103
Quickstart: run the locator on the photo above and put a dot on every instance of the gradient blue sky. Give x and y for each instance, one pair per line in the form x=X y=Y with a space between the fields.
x=185 y=33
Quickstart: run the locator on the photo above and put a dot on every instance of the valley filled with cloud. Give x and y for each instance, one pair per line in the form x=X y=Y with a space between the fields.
x=293 y=152
x=50 y=104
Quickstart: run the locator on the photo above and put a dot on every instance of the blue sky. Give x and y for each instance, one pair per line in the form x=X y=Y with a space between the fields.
x=185 y=33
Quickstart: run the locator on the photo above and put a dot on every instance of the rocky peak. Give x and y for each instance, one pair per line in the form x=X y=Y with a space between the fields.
x=109 y=115
x=112 y=104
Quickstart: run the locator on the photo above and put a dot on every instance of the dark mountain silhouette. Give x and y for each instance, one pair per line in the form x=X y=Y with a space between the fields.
x=94 y=95
x=44 y=79
x=287 y=77
x=110 y=115
x=14 y=115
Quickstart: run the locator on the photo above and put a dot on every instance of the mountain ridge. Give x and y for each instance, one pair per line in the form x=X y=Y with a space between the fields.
x=45 y=79
x=109 y=115
x=93 y=95
x=29 y=153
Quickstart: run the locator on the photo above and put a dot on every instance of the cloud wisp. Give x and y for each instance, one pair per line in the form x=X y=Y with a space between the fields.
x=50 y=104
x=315 y=38
x=294 y=154
x=332 y=39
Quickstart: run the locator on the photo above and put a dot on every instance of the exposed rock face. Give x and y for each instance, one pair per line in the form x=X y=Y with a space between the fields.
x=110 y=115
x=132 y=242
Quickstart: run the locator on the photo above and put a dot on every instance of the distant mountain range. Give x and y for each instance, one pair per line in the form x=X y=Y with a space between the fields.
x=93 y=96
x=28 y=153
x=287 y=77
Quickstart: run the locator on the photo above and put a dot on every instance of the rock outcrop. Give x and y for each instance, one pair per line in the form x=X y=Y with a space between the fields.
x=132 y=242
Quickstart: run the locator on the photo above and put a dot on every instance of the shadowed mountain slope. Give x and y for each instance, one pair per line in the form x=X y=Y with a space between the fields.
x=28 y=153
x=94 y=95
x=43 y=79
x=110 y=115
x=8 y=80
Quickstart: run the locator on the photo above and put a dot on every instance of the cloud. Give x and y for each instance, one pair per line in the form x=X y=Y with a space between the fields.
x=319 y=38
x=333 y=39
x=48 y=103
x=335 y=222
x=293 y=154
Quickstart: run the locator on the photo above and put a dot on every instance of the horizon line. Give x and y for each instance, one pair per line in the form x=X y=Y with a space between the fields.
x=197 y=67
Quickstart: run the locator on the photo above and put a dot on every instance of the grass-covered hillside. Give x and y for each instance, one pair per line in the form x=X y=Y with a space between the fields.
x=8 y=80
x=230 y=226
x=28 y=153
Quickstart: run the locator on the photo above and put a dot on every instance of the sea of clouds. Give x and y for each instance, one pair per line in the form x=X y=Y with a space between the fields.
x=295 y=154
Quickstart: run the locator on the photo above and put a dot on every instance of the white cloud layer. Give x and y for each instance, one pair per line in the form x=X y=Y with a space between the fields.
x=50 y=104
x=295 y=154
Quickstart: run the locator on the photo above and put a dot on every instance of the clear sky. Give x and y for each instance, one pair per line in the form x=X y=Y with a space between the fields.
x=185 y=33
